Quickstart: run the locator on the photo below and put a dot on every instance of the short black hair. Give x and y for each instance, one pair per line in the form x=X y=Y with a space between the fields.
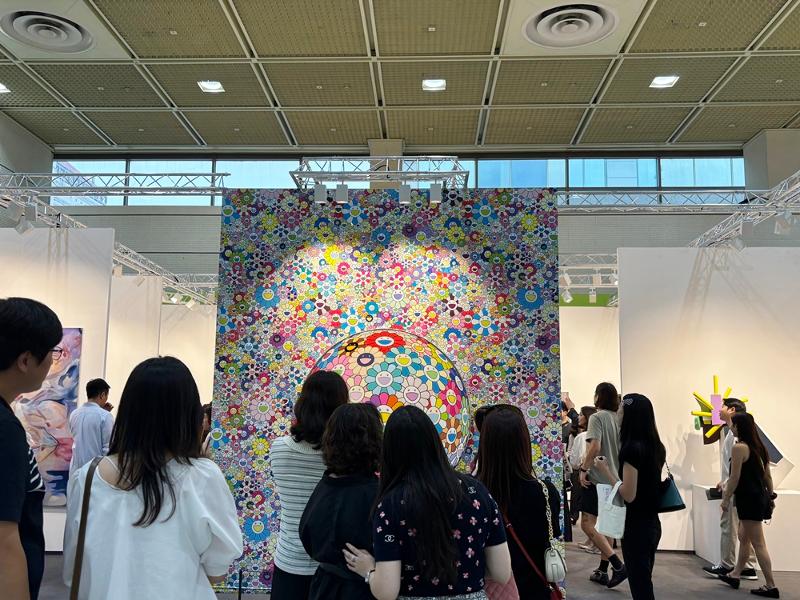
x=607 y=397
x=322 y=393
x=735 y=404
x=353 y=440
x=27 y=326
x=207 y=410
x=96 y=387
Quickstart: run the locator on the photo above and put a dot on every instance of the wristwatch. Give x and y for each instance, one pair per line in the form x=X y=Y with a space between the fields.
x=368 y=575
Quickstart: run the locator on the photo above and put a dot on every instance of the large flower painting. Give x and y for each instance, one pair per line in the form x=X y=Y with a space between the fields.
x=445 y=306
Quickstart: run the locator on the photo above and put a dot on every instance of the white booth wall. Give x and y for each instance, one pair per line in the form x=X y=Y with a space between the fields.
x=190 y=335
x=688 y=314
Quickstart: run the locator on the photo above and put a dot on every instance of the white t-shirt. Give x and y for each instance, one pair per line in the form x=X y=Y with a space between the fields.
x=577 y=451
x=168 y=559
x=725 y=456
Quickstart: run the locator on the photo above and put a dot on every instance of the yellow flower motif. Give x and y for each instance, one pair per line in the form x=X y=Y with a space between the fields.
x=529 y=222
x=260 y=446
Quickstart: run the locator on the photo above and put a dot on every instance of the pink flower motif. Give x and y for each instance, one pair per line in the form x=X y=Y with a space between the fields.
x=456 y=534
x=470 y=552
x=477 y=504
x=473 y=521
x=435 y=581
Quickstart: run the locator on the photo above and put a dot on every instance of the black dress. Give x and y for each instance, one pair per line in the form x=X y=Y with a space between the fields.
x=338 y=512
x=752 y=495
x=526 y=513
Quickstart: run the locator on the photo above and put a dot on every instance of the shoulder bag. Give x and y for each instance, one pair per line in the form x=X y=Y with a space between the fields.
x=610 y=516
x=554 y=564
x=555 y=590
x=670 y=500
x=87 y=493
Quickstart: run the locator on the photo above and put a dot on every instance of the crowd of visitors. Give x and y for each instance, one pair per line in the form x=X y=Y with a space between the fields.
x=366 y=511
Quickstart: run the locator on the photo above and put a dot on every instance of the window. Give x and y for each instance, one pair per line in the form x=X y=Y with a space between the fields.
x=169 y=166
x=702 y=172
x=617 y=173
x=68 y=168
x=521 y=173
x=272 y=174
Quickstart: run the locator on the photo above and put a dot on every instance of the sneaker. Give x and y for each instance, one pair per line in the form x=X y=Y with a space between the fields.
x=598 y=576
x=717 y=570
x=750 y=574
x=592 y=550
x=617 y=577
x=731 y=581
x=766 y=592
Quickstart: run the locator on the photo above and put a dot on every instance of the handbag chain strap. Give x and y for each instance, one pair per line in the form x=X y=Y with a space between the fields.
x=553 y=588
x=549 y=511
x=87 y=489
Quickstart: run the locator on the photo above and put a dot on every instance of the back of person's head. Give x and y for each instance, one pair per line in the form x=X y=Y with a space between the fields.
x=415 y=461
x=606 y=397
x=735 y=404
x=159 y=419
x=352 y=442
x=504 y=453
x=744 y=426
x=480 y=415
x=639 y=427
x=96 y=388
x=28 y=330
x=321 y=394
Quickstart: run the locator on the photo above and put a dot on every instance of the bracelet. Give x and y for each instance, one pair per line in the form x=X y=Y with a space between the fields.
x=368 y=575
x=584 y=470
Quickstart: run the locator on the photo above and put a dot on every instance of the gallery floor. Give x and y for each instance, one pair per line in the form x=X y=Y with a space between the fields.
x=678 y=576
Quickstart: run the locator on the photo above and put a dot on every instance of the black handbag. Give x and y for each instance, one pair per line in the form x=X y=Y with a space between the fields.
x=670 y=499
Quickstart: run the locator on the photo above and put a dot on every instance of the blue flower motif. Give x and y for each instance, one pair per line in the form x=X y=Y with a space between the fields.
x=267 y=296
x=256 y=529
x=530 y=298
x=382 y=236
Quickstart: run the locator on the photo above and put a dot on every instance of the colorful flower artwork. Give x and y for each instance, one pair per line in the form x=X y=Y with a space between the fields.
x=45 y=416
x=447 y=306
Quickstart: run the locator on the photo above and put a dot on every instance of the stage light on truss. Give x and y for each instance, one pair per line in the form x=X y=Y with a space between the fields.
x=320 y=193
x=615 y=278
x=31 y=212
x=784 y=223
x=592 y=296
x=597 y=279
x=191 y=303
x=737 y=243
x=117 y=271
x=341 y=193
x=24 y=226
x=15 y=211
x=567 y=296
x=567 y=279
x=405 y=194
x=436 y=193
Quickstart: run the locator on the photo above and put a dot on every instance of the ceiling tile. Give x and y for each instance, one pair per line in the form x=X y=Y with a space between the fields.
x=100 y=84
x=55 y=127
x=402 y=82
x=237 y=128
x=304 y=27
x=202 y=30
x=322 y=84
x=24 y=90
x=532 y=126
x=698 y=75
x=157 y=127
x=633 y=125
x=240 y=83
x=764 y=78
x=334 y=127
x=433 y=127
x=548 y=81
x=462 y=26
x=736 y=123
x=785 y=36
x=674 y=25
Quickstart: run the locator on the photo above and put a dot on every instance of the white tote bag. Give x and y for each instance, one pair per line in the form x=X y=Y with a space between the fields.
x=611 y=514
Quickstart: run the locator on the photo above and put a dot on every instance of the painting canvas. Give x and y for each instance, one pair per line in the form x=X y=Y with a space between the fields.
x=45 y=416
x=447 y=306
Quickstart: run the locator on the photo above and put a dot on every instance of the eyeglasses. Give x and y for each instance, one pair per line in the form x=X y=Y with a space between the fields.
x=58 y=353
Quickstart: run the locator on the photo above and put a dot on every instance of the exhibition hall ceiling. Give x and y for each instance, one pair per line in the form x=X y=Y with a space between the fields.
x=326 y=76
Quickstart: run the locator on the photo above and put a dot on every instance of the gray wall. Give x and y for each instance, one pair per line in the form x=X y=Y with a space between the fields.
x=21 y=151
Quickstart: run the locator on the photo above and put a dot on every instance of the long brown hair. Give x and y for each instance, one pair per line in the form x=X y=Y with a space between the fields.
x=504 y=454
x=747 y=433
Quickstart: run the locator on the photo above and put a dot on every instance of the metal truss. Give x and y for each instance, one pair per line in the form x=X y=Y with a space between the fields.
x=783 y=198
x=385 y=170
x=112 y=184
x=660 y=201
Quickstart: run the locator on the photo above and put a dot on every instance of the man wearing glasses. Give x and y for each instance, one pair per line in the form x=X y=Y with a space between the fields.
x=29 y=334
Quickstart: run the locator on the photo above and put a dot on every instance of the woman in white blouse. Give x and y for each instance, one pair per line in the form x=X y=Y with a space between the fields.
x=162 y=522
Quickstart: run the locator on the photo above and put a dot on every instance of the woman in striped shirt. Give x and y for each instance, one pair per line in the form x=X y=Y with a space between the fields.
x=297 y=467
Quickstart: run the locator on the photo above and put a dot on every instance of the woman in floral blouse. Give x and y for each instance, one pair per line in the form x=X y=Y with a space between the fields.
x=436 y=533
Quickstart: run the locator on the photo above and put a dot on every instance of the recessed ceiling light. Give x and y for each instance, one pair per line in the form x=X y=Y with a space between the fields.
x=173 y=32
x=543 y=84
x=731 y=125
x=66 y=128
x=430 y=128
x=236 y=129
x=702 y=24
x=211 y=87
x=140 y=129
x=779 y=81
x=333 y=129
x=664 y=81
x=100 y=88
x=431 y=28
x=319 y=87
x=4 y=89
x=629 y=127
x=434 y=85
x=528 y=128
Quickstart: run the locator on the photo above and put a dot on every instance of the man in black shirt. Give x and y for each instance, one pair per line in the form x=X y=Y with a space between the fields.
x=29 y=335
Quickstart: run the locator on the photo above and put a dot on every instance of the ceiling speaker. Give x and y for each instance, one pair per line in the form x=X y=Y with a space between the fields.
x=570 y=25
x=46 y=32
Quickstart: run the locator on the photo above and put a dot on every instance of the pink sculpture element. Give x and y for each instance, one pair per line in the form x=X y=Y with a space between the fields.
x=716 y=403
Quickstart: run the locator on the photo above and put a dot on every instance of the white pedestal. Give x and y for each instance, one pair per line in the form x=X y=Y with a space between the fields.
x=781 y=533
x=55 y=518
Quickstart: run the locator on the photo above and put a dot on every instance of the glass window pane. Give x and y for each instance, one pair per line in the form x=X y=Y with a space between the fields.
x=70 y=167
x=712 y=172
x=519 y=173
x=716 y=172
x=165 y=167
x=612 y=172
x=677 y=172
x=258 y=174
x=737 y=169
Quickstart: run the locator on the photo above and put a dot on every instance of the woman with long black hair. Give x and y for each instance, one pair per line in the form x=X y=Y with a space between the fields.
x=750 y=483
x=162 y=521
x=436 y=533
x=506 y=468
x=641 y=460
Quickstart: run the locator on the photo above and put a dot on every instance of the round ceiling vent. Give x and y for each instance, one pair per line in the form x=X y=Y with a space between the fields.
x=570 y=25
x=46 y=32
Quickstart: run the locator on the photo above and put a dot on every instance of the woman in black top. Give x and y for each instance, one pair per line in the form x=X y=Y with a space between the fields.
x=506 y=468
x=641 y=460
x=750 y=483
x=436 y=533
x=340 y=509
